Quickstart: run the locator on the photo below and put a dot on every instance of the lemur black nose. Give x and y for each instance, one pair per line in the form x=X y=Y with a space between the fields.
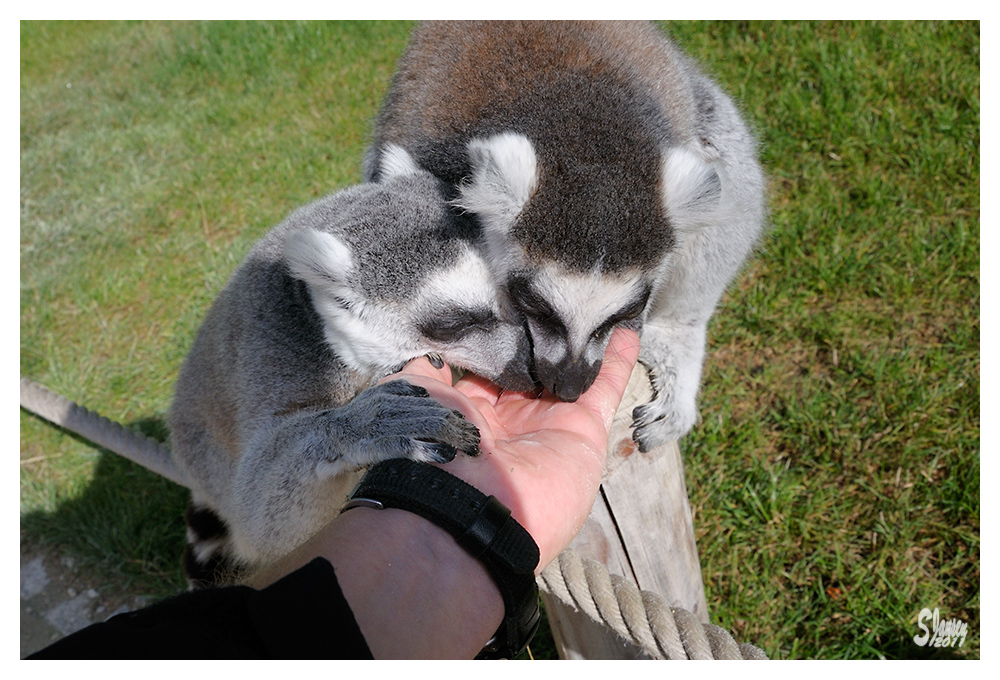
x=567 y=396
x=517 y=377
x=568 y=379
x=570 y=391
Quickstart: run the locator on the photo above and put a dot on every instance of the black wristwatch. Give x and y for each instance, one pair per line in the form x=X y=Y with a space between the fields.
x=481 y=525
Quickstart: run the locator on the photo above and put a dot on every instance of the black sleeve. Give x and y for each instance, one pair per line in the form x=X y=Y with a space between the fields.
x=302 y=616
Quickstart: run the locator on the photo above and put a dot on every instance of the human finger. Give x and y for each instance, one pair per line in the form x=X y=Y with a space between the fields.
x=422 y=366
x=606 y=393
x=477 y=387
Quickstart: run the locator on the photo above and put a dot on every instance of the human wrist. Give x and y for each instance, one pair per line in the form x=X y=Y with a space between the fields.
x=480 y=524
x=551 y=511
x=410 y=586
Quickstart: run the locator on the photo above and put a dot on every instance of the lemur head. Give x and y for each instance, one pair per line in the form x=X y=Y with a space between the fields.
x=394 y=276
x=579 y=247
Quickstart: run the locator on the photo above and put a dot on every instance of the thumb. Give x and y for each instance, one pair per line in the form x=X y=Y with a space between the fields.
x=604 y=396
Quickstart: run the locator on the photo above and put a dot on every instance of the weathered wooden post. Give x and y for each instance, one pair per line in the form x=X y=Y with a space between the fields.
x=641 y=529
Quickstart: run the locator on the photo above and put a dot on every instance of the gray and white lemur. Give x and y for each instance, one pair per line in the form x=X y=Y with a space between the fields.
x=614 y=185
x=274 y=407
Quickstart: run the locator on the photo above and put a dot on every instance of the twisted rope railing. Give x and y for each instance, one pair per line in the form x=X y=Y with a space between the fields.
x=638 y=616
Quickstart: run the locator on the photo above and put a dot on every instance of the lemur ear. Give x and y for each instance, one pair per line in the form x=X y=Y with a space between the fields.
x=396 y=162
x=504 y=176
x=319 y=258
x=690 y=183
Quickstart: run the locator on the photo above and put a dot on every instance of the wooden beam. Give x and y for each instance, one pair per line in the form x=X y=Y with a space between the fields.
x=640 y=528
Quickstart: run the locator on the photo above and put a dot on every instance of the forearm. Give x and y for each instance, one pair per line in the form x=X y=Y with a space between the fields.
x=414 y=591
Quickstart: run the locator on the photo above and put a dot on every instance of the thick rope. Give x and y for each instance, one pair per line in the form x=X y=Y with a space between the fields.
x=130 y=444
x=641 y=617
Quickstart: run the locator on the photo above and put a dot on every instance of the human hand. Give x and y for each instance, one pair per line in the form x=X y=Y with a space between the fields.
x=541 y=457
x=414 y=592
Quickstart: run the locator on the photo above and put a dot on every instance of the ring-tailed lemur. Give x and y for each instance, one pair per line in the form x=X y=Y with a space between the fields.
x=274 y=406
x=614 y=184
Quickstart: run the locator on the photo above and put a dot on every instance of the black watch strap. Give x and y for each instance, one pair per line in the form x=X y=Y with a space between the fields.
x=481 y=524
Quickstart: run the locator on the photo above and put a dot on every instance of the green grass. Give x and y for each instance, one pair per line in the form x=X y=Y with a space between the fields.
x=152 y=157
x=835 y=473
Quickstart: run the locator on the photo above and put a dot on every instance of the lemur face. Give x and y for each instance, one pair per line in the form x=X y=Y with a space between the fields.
x=570 y=318
x=569 y=315
x=463 y=318
x=454 y=312
x=393 y=279
x=573 y=277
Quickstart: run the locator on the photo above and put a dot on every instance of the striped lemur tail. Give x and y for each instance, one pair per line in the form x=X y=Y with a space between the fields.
x=205 y=560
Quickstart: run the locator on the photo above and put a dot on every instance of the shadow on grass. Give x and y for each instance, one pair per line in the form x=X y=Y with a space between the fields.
x=127 y=524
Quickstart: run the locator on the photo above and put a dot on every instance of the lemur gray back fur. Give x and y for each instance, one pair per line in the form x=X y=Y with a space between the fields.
x=613 y=183
x=275 y=411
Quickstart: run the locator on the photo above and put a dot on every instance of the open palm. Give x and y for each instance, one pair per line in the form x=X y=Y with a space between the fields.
x=541 y=457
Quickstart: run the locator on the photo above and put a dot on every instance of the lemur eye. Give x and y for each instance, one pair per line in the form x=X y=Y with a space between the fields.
x=630 y=312
x=534 y=306
x=635 y=309
x=526 y=300
x=454 y=324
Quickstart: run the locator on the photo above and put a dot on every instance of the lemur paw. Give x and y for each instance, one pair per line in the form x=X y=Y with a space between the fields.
x=400 y=420
x=653 y=428
x=667 y=417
